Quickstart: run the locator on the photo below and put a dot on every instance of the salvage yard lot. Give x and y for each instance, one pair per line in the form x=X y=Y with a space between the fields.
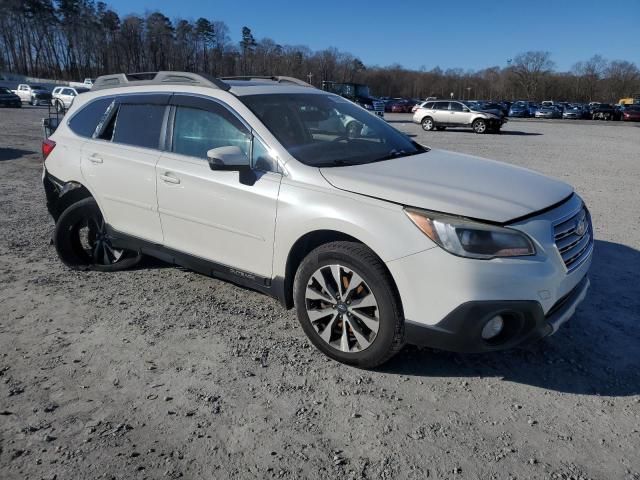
x=162 y=373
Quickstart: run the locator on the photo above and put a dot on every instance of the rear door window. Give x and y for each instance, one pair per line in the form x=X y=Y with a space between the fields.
x=84 y=122
x=139 y=125
x=441 y=106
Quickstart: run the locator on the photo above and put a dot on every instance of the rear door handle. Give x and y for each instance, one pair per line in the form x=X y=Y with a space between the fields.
x=169 y=178
x=95 y=159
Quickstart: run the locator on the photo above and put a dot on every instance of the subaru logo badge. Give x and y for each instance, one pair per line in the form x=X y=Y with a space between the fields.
x=581 y=226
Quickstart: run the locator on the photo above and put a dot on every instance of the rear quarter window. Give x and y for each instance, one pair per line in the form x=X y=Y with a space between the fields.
x=84 y=122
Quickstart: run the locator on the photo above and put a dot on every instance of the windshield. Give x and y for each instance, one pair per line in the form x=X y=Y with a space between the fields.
x=37 y=87
x=326 y=130
x=4 y=90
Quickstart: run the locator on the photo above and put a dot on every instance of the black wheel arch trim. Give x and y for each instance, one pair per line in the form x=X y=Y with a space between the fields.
x=60 y=194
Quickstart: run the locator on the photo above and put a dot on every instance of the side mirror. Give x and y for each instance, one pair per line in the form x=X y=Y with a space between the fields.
x=230 y=158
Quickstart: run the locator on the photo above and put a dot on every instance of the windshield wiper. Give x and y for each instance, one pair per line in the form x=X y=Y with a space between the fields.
x=397 y=153
x=334 y=163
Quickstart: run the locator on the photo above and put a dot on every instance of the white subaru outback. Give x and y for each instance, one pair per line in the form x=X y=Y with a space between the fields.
x=375 y=240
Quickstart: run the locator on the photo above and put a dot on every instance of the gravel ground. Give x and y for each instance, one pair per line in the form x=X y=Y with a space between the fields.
x=162 y=373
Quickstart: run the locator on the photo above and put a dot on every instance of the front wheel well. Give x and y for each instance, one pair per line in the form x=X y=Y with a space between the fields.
x=302 y=247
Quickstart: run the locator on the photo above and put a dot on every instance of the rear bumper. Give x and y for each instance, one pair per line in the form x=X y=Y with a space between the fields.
x=525 y=322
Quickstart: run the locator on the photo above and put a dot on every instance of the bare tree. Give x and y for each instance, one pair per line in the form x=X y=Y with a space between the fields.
x=530 y=68
x=73 y=39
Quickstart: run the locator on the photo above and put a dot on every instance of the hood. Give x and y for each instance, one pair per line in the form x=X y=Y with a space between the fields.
x=453 y=183
x=490 y=112
x=369 y=100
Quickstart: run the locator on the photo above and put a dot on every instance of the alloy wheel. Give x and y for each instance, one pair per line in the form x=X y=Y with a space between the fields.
x=480 y=126
x=94 y=240
x=342 y=308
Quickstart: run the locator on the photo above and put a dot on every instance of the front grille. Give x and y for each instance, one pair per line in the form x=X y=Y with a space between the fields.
x=574 y=238
x=378 y=106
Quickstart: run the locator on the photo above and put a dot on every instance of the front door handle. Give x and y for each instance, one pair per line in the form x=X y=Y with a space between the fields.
x=95 y=159
x=168 y=178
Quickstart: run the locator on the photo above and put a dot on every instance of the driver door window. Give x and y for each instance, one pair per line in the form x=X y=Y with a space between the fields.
x=197 y=131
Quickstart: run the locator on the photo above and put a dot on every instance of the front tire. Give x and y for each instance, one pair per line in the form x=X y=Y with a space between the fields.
x=82 y=242
x=479 y=126
x=427 y=124
x=347 y=304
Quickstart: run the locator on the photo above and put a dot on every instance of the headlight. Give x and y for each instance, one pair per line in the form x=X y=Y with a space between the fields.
x=368 y=107
x=467 y=238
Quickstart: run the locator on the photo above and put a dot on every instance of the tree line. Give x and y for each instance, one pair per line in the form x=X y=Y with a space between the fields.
x=74 y=39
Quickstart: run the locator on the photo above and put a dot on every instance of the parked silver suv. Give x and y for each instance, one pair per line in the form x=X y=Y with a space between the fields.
x=444 y=113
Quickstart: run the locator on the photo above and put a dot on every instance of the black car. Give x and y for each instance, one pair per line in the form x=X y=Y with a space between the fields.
x=605 y=111
x=9 y=99
x=494 y=108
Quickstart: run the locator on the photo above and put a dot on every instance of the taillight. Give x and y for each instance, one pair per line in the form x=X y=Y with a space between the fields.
x=47 y=147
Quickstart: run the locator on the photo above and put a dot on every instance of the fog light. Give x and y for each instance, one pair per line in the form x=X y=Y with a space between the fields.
x=492 y=328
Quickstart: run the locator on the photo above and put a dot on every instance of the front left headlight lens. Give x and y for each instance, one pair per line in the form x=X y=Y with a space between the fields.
x=467 y=238
x=368 y=106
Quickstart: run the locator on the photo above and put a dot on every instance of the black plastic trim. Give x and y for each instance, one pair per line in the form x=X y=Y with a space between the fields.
x=55 y=192
x=460 y=331
x=540 y=212
x=207 y=267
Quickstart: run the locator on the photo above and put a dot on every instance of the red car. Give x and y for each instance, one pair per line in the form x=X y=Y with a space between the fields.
x=631 y=114
x=402 y=106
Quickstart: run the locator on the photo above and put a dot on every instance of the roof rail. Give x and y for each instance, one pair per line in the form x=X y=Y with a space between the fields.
x=158 y=78
x=279 y=79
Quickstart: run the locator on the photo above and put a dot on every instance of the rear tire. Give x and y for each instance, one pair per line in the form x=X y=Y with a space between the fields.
x=479 y=126
x=59 y=106
x=427 y=124
x=82 y=243
x=365 y=336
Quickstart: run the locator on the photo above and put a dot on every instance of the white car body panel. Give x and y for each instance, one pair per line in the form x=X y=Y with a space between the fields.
x=311 y=204
x=210 y=214
x=128 y=200
x=453 y=183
